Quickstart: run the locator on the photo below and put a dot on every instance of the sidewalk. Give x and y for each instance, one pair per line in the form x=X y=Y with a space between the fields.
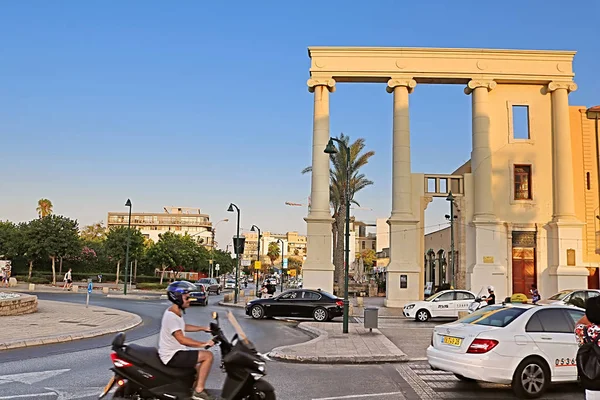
x=56 y=322
x=114 y=291
x=331 y=346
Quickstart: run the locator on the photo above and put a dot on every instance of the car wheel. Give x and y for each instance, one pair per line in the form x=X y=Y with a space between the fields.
x=531 y=379
x=422 y=316
x=218 y=291
x=464 y=378
x=257 y=312
x=320 y=314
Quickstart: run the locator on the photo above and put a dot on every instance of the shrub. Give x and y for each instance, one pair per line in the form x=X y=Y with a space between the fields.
x=151 y=286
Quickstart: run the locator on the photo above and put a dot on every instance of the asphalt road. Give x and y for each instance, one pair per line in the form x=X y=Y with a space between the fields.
x=79 y=370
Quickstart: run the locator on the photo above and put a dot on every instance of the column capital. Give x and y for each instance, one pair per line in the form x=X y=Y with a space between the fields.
x=314 y=82
x=409 y=83
x=569 y=86
x=477 y=83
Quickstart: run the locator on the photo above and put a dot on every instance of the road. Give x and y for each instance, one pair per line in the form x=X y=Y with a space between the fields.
x=79 y=370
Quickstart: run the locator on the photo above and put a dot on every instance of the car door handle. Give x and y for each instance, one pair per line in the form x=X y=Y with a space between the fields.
x=545 y=337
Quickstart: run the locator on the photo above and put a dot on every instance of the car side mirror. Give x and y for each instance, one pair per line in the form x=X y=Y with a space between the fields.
x=436 y=299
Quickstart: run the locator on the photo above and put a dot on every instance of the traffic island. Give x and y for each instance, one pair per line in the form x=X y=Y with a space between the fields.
x=331 y=346
x=12 y=304
x=56 y=322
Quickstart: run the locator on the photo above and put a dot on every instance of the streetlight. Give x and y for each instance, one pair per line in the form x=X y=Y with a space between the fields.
x=331 y=149
x=254 y=229
x=127 y=204
x=236 y=245
x=213 y=245
x=451 y=199
x=281 y=283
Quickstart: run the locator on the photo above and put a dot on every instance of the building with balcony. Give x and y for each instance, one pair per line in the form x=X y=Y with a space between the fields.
x=179 y=220
x=293 y=244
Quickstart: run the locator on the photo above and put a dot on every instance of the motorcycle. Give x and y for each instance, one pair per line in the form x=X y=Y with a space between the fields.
x=477 y=304
x=139 y=373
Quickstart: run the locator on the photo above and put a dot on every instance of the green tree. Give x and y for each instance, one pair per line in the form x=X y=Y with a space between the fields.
x=9 y=240
x=52 y=236
x=273 y=252
x=44 y=208
x=116 y=245
x=178 y=252
x=369 y=258
x=94 y=233
x=340 y=178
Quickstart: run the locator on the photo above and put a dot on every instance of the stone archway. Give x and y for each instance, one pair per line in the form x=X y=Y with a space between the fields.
x=493 y=78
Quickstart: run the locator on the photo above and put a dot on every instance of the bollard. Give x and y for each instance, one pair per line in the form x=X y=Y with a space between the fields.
x=105 y=290
x=350 y=310
x=360 y=301
x=75 y=288
x=242 y=293
x=32 y=287
x=12 y=282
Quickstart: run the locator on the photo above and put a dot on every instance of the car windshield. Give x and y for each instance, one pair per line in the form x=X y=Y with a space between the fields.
x=204 y=280
x=230 y=280
x=499 y=316
x=560 y=295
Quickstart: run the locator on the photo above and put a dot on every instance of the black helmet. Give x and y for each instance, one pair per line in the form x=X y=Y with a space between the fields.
x=177 y=289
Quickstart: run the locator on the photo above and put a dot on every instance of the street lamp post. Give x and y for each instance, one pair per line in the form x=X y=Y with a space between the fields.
x=127 y=204
x=331 y=149
x=253 y=229
x=282 y=252
x=450 y=199
x=235 y=248
x=212 y=247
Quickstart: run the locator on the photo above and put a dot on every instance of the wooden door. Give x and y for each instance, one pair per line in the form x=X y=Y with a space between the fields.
x=593 y=279
x=523 y=270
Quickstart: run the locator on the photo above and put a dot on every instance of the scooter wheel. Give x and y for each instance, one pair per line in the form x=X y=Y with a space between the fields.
x=263 y=396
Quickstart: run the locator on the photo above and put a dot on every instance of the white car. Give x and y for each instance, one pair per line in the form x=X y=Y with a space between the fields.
x=230 y=284
x=446 y=304
x=524 y=345
x=576 y=297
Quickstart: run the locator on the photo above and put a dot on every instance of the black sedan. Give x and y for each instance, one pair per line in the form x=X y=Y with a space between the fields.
x=298 y=303
x=199 y=296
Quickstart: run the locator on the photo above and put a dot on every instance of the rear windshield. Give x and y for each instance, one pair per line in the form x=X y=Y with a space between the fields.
x=204 y=280
x=560 y=295
x=499 y=316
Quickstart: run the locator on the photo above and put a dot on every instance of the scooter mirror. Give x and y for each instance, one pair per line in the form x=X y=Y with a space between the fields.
x=215 y=315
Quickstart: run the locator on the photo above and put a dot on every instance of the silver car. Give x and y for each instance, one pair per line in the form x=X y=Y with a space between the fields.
x=575 y=297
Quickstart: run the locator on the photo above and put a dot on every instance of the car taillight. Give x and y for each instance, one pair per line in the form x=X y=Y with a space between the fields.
x=480 y=346
x=119 y=363
x=340 y=303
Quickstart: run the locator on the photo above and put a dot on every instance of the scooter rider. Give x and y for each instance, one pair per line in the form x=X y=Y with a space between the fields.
x=491 y=298
x=173 y=346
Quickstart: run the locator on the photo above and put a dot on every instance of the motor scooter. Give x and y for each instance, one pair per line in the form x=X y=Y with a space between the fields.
x=139 y=373
x=478 y=303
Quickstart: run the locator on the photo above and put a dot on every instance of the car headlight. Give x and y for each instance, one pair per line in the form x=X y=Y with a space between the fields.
x=248 y=303
x=410 y=306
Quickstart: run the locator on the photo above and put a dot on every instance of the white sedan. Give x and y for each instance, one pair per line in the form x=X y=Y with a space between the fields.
x=445 y=304
x=523 y=345
x=576 y=297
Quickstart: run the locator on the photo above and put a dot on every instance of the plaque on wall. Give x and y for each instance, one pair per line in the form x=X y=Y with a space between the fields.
x=571 y=257
x=403 y=281
x=488 y=259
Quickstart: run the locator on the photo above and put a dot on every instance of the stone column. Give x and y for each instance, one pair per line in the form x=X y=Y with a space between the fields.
x=564 y=198
x=406 y=258
x=481 y=155
x=318 y=267
x=401 y=173
x=567 y=231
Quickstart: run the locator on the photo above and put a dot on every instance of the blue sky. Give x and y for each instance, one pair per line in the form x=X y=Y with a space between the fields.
x=198 y=104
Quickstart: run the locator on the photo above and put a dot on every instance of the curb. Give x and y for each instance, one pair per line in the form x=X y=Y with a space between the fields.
x=223 y=304
x=137 y=296
x=135 y=320
x=279 y=353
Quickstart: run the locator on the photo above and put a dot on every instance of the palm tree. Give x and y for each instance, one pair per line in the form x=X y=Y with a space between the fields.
x=339 y=177
x=44 y=208
x=94 y=232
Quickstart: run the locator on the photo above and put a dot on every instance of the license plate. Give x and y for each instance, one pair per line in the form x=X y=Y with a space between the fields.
x=452 y=341
x=108 y=386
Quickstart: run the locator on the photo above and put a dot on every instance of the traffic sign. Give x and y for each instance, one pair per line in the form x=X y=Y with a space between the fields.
x=217 y=267
x=257 y=265
x=90 y=287
x=285 y=263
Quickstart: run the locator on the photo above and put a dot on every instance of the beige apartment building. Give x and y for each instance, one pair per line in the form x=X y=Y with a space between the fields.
x=179 y=220
x=293 y=244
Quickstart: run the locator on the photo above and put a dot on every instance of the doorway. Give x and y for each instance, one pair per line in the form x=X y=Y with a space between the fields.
x=593 y=279
x=524 y=271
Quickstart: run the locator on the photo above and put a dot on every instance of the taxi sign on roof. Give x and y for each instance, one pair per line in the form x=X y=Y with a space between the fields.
x=518 y=298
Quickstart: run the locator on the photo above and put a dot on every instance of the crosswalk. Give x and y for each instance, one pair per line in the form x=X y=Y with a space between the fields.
x=429 y=385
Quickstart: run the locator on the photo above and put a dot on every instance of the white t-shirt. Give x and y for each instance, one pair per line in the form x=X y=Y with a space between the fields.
x=167 y=344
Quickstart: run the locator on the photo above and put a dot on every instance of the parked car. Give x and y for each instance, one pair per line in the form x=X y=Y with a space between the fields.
x=230 y=284
x=317 y=304
x=576 y=297
x=445 y=304
x=524 y=345
x=200 y=296
x=211 y=283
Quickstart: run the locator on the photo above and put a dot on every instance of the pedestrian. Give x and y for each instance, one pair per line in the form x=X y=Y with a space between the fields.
x=587 y=332
x=68 y=280
x=535 y=293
